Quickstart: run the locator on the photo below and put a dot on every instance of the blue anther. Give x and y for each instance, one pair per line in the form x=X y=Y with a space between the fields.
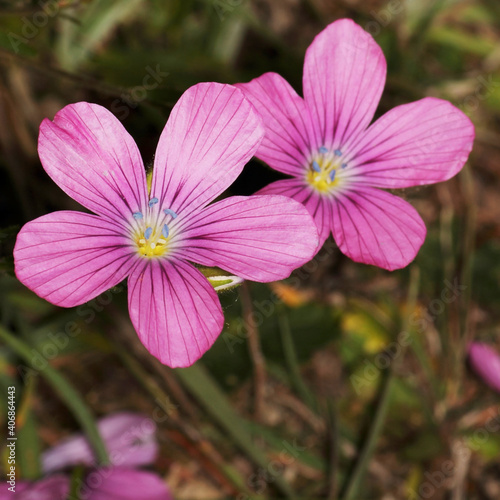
x=165 y=231
x=316 y=167
x=338 y=152
x=344 y=165
x=332 y=175
x=153 y=201
x=148 y=233
x=170 y=212
x=323 y=150
x=137 y=215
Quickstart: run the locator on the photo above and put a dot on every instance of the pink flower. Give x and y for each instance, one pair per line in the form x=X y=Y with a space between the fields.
x=101 y=484
x=486 y=363
x=338 y=161
x=50 y=488
x=123 y=484
x=129 y=438
x=70 y=257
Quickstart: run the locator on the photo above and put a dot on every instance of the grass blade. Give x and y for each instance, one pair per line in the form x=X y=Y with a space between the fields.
x=67 y=393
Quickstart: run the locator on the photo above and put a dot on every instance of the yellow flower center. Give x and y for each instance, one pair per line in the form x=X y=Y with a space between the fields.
x=153 y=240
x=154 y=246
x=324 y=172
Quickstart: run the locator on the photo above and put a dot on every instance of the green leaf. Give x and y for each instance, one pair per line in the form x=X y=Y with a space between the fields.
x=66 y=392
x=78 y=42
x=28 y=442
x=201 y=385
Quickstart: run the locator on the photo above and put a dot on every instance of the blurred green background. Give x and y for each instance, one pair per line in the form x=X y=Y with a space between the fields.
x=365 y=373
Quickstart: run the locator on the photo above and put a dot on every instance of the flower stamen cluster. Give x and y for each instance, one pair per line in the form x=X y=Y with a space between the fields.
x=151 y=238
x=325 y=169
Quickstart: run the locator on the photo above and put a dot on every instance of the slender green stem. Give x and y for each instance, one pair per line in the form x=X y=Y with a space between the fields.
x=180 y=422
x=468 y=252
x=200 y=384
x=255 y=350
x=77 y=476
x=66 y=392
x=333 y=438
x=354 y=481
x=293 y=364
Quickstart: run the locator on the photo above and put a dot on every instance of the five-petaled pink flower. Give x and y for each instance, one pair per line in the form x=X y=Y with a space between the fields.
x=338 y=160
x=153 y=236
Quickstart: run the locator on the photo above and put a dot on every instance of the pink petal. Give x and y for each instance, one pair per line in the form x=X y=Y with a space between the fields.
x=175 y=311
x=129 y=438
x=69 y=258
x=91 y=157
x=344 y=76
x=289 y=135
x=318 y=206
x=124 y=484
x=50 y=488
x=210 y=135
x=419 y=143
x=262 y=238
x=486 y=363
x=375 y=227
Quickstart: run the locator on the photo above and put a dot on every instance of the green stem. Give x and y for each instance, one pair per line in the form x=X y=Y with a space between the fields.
x=67 y=393
x=292 y=362
x=368 y=448
x=334 y=438
x=255 y=351
x=354 y=481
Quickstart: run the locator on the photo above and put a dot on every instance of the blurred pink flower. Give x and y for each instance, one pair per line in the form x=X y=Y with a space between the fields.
x=129 y=437
x=485 y=361
x=50 y=488
x=338 y=159
x=71 y=257
x=123 y=484
x=101 y=484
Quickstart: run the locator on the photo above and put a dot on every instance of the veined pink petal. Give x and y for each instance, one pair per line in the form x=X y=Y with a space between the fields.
x=129 y=438
x=175 y=311
x=210 y=135
x=50 y=488
x=124 y=484
x=419 y=143
x=290 y=134
x=69 y=258
x=318 y=206
x=378 y=228
x=485 y=361
x=91 y=157
x=344 y=76
x=261 y=238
